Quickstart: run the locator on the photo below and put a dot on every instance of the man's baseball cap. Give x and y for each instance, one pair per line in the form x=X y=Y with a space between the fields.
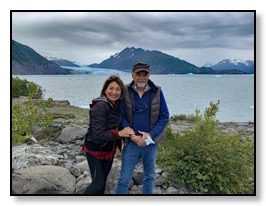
x=141 y=67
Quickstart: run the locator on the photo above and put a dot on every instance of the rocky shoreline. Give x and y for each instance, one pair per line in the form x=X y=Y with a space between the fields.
x=59 y=166
x=245 y=129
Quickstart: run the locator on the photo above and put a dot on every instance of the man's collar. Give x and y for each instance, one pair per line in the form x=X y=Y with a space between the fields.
x=141 y=93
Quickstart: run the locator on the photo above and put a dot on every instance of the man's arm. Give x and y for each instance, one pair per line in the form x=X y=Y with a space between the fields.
x=122 y=108
x=163 y=118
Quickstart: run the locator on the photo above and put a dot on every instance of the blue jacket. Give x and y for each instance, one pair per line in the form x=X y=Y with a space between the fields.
x=148 y=113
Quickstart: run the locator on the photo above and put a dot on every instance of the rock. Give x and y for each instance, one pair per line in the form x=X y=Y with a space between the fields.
x=24 y=156
x=60 y=103
x=30 y=140
x=83 y=166
x=75 y=171
x=71 y=133
x=171 y=190
x=60 y=167
x=43 y=180
x=82 y=182
x=137 y=178
x=80 y=158
x=158 y=180
x=113 y=177
x=245 y=129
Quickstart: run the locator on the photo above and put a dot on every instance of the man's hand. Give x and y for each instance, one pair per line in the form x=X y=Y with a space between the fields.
x=137 y=139
x=142 y=142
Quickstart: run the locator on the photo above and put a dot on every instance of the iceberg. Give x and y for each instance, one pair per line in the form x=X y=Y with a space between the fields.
x=190 y=74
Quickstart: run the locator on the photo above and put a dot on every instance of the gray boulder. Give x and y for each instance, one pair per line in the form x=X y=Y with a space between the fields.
x=43 y=180
x=24 y=156
x=71 y=133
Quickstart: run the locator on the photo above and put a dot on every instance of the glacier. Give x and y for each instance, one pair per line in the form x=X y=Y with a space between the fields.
x=96 y=71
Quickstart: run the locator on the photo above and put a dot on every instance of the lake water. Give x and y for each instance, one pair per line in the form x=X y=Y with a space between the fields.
x=184 y=94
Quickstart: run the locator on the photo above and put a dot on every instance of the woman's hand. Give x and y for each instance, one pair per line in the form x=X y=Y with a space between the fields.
x=126 y=132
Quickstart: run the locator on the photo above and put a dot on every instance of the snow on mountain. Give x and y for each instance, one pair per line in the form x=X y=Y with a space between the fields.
x=246 y=66
x=240 y=61
x=116 y=55
x=208 y=64
x=51 y=58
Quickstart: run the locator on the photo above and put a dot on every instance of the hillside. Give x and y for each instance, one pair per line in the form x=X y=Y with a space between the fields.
x=245 y=66
x=159 y=62
x=63 y=62
x=26 y=61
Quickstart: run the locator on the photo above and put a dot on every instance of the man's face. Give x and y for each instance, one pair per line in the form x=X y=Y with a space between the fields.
x=140 y=78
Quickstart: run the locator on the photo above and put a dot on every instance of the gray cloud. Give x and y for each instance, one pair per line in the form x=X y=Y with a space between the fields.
x=88 y=37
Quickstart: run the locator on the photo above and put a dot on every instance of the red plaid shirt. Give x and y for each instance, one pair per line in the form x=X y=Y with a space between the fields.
x=103 y=155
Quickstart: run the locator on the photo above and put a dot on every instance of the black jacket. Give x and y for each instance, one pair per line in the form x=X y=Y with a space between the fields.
x=103 y=118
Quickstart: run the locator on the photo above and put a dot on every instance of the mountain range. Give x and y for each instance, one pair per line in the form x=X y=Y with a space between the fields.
x=246 y=66
x=26 y=61
x=62 y=62
x=162 y=63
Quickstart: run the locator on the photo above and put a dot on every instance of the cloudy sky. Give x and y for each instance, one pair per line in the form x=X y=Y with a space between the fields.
x=91 y=37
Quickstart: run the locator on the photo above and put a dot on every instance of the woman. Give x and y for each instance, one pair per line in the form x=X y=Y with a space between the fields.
x=103 y=136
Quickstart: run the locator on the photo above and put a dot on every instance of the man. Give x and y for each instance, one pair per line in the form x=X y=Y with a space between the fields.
x=144 y=109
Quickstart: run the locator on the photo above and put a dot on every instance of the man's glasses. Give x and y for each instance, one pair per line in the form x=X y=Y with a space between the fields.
x=140 y=106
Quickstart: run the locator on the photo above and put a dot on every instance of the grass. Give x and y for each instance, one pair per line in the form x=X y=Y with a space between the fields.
x=69 y=115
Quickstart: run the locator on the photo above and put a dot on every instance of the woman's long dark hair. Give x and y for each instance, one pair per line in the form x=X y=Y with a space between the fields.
x=113 y=78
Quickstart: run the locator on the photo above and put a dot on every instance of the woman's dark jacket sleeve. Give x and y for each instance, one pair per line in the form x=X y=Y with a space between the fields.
x=101 y=131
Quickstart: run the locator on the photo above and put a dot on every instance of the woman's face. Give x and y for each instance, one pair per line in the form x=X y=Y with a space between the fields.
x=113 y=91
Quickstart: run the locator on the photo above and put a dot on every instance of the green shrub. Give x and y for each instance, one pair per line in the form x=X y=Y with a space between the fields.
x=208 y=161
x=183 y=117
x=24 y=87
x=25 y=116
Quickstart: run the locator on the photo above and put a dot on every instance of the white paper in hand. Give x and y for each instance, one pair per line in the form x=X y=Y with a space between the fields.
x=149 y=141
